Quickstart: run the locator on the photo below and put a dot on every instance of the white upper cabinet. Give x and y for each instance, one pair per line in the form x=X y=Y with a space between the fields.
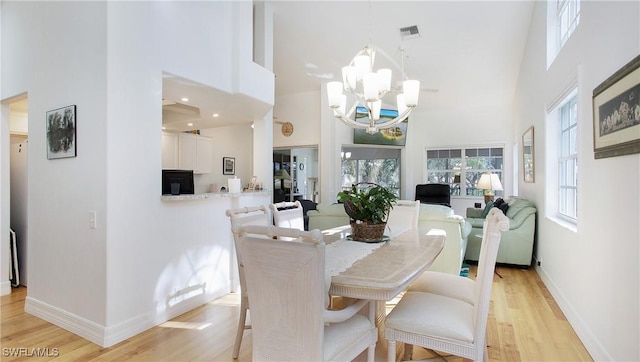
x=196 y=153
x=169 y=150
x=204 y=154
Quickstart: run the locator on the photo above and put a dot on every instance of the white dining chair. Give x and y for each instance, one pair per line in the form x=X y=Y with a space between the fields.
x=447 y=324
x=289 y=297
x=450 y=285
x=288 y=214
x=403 y=216
x=244 y=216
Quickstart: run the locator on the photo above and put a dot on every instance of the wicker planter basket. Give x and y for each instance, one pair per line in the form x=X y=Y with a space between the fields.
x=367 y=232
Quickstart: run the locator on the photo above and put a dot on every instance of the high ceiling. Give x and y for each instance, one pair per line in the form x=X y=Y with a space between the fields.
x=466 y=51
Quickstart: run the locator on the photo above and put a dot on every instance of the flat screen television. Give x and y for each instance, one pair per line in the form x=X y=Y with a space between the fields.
x=394 y=136
x=177 y=182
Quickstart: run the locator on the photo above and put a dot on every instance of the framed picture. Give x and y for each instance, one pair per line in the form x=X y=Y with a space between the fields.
x=61 y=132
x=228 y=165
x=253 y=184
x=528 y=156
x=394 y=136
x=616 y=113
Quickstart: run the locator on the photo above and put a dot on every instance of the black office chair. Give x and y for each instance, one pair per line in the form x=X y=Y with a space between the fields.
x=439 y=194
x=306 y=206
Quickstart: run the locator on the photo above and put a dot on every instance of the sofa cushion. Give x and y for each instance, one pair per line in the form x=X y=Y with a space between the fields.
x=516 y=205
x=434 y=212
x=331 y=209
x=476 y=222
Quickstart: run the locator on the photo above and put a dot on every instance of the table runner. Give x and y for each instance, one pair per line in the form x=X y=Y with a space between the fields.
x=341 y=254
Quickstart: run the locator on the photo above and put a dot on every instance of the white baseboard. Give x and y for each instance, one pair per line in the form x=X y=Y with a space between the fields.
x=5 y=288
x=83 y=327
x=109 y=336
x=591 y=343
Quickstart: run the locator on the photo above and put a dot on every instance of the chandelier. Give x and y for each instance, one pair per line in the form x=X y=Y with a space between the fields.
x=368 y=87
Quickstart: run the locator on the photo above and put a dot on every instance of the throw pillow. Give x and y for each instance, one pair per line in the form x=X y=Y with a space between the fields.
x=486 y=210
x=504 y=207
x=501 y=204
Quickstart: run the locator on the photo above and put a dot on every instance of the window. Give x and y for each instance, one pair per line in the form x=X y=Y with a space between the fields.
x=563 y=17
x=568 y=160
x=561 y=152
x=445 y=165
x=568 y=17
x=377 y=165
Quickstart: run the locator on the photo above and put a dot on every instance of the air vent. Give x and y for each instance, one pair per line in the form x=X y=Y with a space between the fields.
x=409 y=32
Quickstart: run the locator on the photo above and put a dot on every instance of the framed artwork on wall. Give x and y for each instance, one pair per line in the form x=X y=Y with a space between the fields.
x=61 y=132
x=528 y=156
x=228 y=166
x=616 y=113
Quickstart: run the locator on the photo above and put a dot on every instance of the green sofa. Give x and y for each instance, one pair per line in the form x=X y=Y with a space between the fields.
x=442 y=217
x=516 y=246
x=327 y=216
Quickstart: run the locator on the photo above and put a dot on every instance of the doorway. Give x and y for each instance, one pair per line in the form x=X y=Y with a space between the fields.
x=18 y=177
x=295 y=174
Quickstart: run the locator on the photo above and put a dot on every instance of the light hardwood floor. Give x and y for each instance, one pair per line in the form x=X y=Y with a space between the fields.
x=525 y=324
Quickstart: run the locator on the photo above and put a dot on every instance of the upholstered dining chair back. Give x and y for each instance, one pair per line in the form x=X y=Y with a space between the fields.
x=445 y=323
x=288 y=214
x=403 y=216
x=257 y=215
x=288 y=288
x=439 y=194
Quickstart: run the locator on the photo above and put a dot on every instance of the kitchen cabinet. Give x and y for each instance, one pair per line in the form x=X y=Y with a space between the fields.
x=196 y=153
x=169 y=150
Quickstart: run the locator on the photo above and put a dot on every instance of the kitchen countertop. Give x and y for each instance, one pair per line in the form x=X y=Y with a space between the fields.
x=213 y=195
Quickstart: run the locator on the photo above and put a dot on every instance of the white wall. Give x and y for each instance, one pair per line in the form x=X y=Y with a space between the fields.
x=593 y=272
x=147 y=260
x=59 y=66
x=232 y=141
x=429 y=126
x=303 y=111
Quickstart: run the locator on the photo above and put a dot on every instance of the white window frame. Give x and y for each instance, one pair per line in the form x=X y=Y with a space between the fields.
x=464 y=169
x=563 y=18
x=568 y=18
x=568 y=160
x=557 y=157
x=357 y=155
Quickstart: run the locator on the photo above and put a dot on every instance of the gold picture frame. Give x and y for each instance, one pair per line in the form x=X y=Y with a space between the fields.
x=528 y=156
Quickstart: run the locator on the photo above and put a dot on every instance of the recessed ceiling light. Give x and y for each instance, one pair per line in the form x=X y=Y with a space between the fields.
x=190 y=124
x=184 y=99
x=163 y=127
x=215 y=115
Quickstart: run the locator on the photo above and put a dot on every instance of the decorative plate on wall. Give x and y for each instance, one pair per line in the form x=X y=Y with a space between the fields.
x=287 y=129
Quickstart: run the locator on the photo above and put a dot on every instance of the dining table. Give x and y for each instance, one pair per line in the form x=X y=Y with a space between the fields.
x=381 y=270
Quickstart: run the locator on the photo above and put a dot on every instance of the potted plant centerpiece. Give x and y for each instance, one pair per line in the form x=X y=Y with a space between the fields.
x=368 y=205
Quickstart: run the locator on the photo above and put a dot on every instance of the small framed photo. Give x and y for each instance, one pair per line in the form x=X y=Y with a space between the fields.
x=253 y=184
x=528 y=156
x=61 y=132
x=228 y=165
x=616 y=113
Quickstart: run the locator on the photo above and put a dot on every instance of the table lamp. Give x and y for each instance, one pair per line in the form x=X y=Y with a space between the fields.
x=489 y=182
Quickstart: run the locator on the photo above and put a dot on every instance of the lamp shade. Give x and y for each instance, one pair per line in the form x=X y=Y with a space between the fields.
x=282 y=175
x=411 y=89
x=489 y=181
x=334 y=94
